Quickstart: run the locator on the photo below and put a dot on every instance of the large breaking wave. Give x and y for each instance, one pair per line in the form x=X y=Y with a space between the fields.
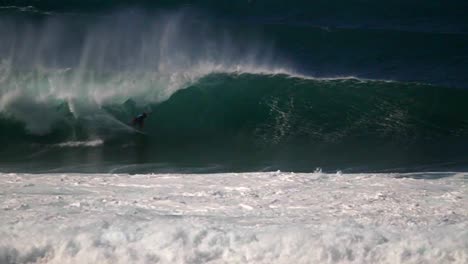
x=218 y=93
x=254 y=118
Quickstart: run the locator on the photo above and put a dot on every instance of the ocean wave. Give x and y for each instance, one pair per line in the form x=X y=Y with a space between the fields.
x=223 y=91
x=275 y=117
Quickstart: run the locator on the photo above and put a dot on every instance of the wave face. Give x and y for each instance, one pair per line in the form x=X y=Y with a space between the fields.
x=232 y=86
x=251 y=120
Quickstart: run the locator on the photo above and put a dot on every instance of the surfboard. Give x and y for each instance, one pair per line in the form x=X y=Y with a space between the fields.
x=124 y=125
x=139 y=131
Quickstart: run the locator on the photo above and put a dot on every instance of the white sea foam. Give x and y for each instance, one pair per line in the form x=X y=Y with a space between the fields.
x=90 y=143
x=233 y=218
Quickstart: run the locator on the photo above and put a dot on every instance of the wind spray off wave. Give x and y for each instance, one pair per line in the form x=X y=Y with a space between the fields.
x=111 y=58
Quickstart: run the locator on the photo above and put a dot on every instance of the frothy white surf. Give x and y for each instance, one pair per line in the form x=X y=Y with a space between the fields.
x=233 y=218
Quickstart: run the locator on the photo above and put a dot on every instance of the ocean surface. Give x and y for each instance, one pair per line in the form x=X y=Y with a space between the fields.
x=244 y=86
x=277 y=131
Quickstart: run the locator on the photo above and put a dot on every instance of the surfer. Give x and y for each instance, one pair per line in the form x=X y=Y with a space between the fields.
x=139 y=120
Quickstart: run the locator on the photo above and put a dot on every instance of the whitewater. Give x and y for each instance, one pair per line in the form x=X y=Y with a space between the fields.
x=277 y=133
x=271 y=217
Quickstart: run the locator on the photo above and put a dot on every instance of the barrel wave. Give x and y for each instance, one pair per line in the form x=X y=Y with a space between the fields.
x=253 y=121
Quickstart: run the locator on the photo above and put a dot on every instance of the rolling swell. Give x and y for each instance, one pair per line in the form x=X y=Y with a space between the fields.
x=401 y=45
x=419 y=14
x=376 y=53
x=243 y=121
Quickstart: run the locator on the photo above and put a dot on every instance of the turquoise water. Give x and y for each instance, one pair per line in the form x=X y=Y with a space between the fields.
x=245 y=86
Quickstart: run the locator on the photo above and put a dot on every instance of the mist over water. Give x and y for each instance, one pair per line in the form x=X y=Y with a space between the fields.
x=99 y=59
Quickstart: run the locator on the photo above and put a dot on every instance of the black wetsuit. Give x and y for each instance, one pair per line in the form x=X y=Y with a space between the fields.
x=139 y=120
